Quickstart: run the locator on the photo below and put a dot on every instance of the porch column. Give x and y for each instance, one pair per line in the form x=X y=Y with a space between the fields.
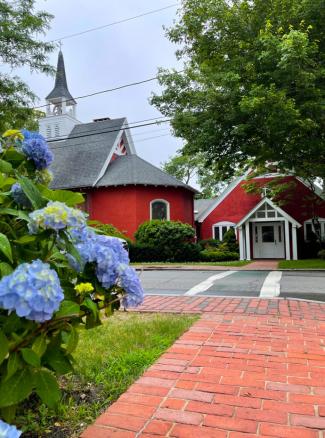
x=248 y=242
x=241 y=244
x=294 y=243
x=287 y=239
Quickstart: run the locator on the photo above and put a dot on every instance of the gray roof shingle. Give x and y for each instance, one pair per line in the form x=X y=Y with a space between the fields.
x=200 y=205
x=133 y=170
x=79 y=161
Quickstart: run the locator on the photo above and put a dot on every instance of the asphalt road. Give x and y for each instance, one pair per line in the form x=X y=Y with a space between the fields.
x=290 y=284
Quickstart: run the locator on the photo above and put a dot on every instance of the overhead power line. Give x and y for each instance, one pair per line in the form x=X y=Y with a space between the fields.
x=151 y=138
x=120 y=87
x=104 y=132
x=114 y=23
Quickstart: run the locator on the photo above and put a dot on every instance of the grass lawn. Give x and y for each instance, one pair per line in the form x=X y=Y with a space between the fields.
x=236 y=263
x=302 y=264
x=108 y=359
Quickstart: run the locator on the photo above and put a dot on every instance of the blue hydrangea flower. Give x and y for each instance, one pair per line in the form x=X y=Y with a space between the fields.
x=55 y=216
x=130 y=282
x=33 y=291
x=19 y=196
x=36 y=149
x=7 y=431
x=105 y=251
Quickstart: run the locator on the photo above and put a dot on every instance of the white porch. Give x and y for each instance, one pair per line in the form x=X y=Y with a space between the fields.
x=267 y=232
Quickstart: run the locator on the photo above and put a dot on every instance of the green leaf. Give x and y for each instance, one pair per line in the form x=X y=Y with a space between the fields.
x=58 y=361
x=16 y=389
x=89 y=304
x=39 y=346
x=31 y=357
x=92 y=321
x=68 y=308
x=71 y=339
x=47 y=388
x=13 y=364
x=12 y=212
x=5 y=269
x=5 y=167
x=69 y=198
x=32 y=192
x=5 y=246
x=4 y=346
x=25 y=240
x=8 y=413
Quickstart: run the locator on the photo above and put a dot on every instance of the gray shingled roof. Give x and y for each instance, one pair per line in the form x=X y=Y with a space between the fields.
x=133 y=170
x=61 y=87
x=200 y=205
x=79 y=161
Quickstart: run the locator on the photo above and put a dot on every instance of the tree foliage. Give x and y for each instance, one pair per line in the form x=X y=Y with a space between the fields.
x=253 y=87
x=187 y=167
x=21 y=26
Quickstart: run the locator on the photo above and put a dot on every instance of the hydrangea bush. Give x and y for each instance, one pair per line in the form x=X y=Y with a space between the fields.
x=57 y=276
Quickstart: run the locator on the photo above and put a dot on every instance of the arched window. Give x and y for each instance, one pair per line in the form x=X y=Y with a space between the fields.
x=159 y=209
x=220 y=228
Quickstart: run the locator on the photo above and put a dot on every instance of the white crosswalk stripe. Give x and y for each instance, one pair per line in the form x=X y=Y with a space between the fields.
x=271 y=285
x=206 y=284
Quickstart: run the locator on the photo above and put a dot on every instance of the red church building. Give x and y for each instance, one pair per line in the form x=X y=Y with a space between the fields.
x=264 y=229
x=99 y=159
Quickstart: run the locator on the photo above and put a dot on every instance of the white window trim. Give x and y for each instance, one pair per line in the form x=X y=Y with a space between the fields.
x=165 y=202
x=220 y=225
x=322 y=227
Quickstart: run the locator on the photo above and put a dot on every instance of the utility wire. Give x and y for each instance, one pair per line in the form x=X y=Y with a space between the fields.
x=151 y=138
x=93 y=29
x=103 y=132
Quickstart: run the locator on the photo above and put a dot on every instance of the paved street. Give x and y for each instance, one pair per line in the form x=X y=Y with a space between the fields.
x=267 y=284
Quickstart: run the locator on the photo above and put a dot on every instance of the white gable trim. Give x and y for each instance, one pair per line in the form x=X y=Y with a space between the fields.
x=220 y=198
x=109 y=157
x=278 y=209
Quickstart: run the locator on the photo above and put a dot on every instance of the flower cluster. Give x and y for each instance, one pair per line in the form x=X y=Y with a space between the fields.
x=33 y=291
x=55 y=216
x=111 y=260
x=7 y=431
x=130 y=282
x=84 y=288
x=36 y=149
x=19 y=196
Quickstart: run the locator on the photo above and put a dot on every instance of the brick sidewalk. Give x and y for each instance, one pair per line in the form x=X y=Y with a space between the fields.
x=247 y=368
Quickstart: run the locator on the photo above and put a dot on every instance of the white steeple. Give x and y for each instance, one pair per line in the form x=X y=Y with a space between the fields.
x=61 y=108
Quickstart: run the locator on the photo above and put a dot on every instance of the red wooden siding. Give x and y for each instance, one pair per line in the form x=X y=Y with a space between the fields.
x=126 y=207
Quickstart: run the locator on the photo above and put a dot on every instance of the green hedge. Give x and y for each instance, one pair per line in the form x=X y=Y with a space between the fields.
x=218 y=256
x=187 y=252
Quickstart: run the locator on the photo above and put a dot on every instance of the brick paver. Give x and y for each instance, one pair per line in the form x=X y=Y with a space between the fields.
x=246 y=368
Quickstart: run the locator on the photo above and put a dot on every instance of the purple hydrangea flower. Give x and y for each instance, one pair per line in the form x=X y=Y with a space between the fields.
x=130 y=282
x=19 y=196
x=55 y=216
x=33 y=291
x=36 y=149
x=7 y=431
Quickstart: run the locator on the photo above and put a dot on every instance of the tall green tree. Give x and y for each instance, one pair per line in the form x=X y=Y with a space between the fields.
x=21 y=29
x=253 y=86
x=187 y=167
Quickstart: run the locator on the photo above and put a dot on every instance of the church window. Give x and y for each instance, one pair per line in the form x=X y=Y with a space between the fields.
x=48 y=131
x=159 y=209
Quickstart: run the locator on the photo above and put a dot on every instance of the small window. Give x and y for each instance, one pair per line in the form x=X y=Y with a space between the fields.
x=160 y=210
x=310 y=234
x=268 y=233
x=220 y=229
x=280 y=233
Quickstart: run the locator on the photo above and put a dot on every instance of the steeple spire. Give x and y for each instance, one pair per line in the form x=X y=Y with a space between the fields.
x=60 y=91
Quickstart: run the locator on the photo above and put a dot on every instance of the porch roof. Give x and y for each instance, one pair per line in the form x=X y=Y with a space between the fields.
x=275 y=207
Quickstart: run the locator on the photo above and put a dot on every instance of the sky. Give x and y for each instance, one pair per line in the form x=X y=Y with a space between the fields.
x=124 y=53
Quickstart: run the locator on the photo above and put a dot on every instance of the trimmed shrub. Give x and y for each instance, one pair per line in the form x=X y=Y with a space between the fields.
x=209 y=243
x=170 y=239
x=109 y=230
x=230 y=240
x=218 y=256
x=143 y=253
x=188 y=252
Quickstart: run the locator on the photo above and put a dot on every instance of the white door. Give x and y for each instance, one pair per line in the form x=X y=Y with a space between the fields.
x=268 y=240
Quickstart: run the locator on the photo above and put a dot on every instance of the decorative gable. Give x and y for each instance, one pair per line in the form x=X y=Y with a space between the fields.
x=119 y=150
